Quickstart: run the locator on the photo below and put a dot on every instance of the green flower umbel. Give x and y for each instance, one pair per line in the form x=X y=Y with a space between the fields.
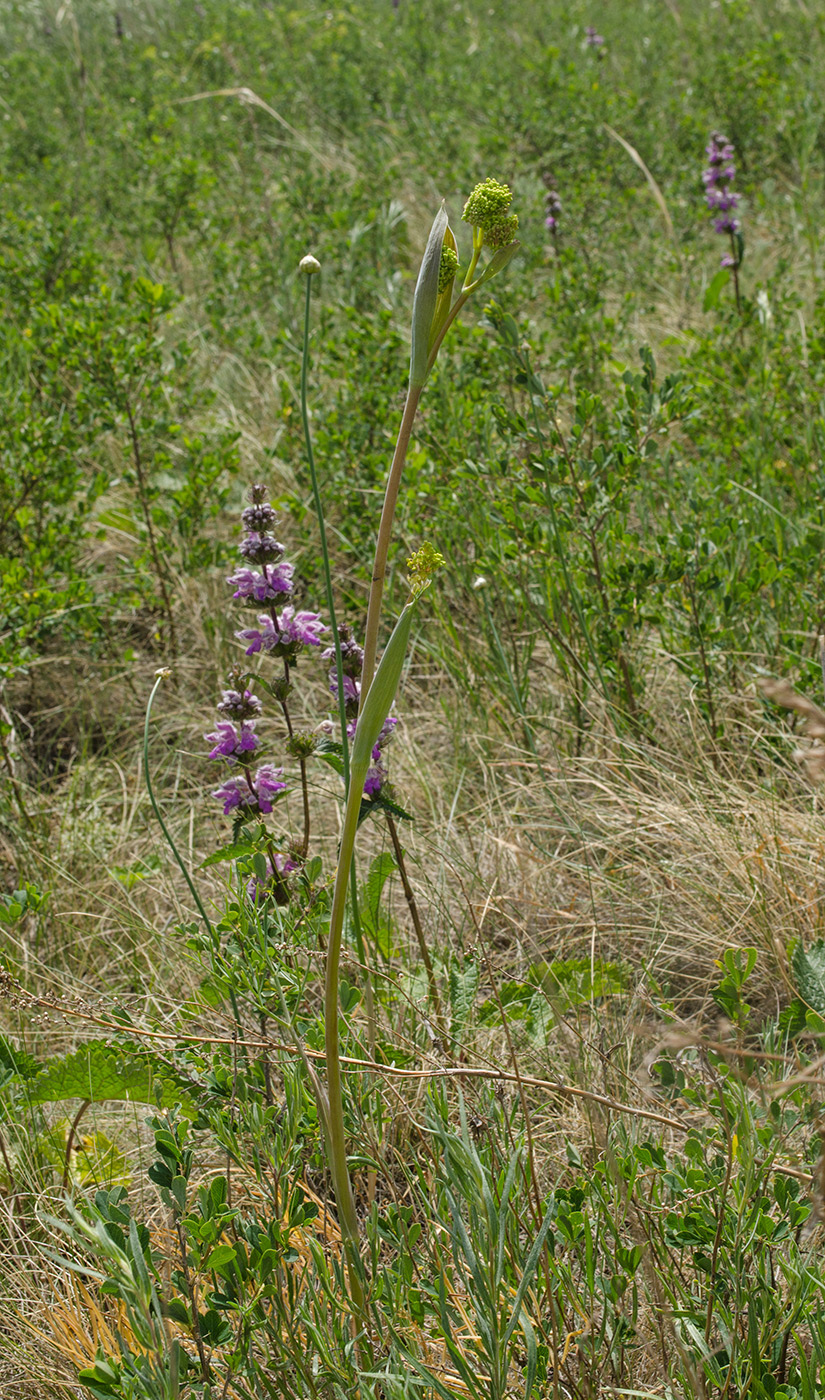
x=486 y=209
x=421 y=567
x=487 y=204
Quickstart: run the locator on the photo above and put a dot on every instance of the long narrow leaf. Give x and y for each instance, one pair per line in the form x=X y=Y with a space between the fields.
x=529 y=1271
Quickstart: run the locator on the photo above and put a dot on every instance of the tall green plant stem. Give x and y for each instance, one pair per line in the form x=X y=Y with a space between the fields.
x=336 y=1137
x=382 y=544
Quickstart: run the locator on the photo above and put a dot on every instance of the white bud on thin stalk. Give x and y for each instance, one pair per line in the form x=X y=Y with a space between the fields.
x=309 y=264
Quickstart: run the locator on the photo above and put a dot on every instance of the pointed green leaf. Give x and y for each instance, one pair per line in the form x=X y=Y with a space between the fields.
x=380 y=696
x=498 y=262
x=425 y=298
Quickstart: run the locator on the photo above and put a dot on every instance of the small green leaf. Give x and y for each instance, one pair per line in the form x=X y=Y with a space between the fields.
x=498 y=262
x=231 y=852
x=221 y=1255
x=714 y=290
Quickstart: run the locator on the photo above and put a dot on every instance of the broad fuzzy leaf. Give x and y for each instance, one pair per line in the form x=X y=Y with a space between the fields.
x=98 y=1071
x=809 y=971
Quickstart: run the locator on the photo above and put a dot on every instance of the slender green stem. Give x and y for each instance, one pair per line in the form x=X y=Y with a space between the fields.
x=337 y=1145
x=322 y=531
x=382 y=544
x=161 y=676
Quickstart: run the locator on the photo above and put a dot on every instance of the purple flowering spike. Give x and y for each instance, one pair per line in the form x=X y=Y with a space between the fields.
x=264 y=587
x=229 y=743
x=234 y=794
x=721 y=199
x=268 y=786
x=592 y=39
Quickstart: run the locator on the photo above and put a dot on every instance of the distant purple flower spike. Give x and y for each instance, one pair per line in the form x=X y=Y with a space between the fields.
x=229 y=743
x=264 y=587
x=721 y=199
x=592 y=39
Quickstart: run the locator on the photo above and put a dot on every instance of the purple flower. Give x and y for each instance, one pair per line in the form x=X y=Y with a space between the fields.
x=254 y=795
x=268 y=786
x=352 y=688
x=592 y=39
x=283 y=636
x=261 y=549
x=258 y=890
x=229 y=743
x=234 y=793
x=263 y=587
x=239 y=705
x=375 y=780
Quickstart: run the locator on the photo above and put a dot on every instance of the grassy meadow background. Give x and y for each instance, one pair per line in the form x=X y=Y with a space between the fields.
x=614 y=855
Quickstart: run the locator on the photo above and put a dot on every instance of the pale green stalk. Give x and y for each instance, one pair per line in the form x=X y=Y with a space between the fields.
x=382 y=544
x=371 y=719
x=378 y=687
x=322 y=531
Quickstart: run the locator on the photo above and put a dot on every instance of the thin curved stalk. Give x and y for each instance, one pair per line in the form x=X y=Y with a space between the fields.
x=322 y=532
x=161 y=676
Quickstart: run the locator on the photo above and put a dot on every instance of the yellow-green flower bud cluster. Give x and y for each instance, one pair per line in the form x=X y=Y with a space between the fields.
x=501 y=233
x=422 y=565
x=487 y=205
x=447 y=267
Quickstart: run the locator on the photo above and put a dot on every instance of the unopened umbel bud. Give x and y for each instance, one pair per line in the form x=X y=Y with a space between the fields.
x=309 y=264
